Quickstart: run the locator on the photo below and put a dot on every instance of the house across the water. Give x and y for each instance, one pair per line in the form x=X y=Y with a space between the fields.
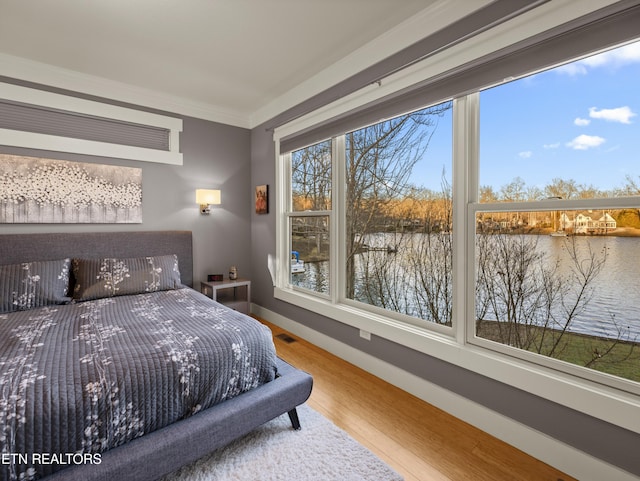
x=585 y=224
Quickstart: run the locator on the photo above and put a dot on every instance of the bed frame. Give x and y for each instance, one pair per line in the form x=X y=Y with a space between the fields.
x=161 y=452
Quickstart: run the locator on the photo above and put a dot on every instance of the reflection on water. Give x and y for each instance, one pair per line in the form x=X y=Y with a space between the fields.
x=616 y=300
x=315 y=277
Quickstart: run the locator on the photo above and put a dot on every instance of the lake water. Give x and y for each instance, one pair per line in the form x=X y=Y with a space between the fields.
x=616 y=300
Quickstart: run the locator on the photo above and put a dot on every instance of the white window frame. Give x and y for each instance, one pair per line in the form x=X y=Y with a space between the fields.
x=334 y=225
x=578 y=388
x=544 y=205
x=616 y=406
x=474 y=207
x=457 y=346
x=337 y=304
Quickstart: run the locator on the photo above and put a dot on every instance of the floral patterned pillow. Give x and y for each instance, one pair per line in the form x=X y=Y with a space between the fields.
x=33 y=284
x=98 y=278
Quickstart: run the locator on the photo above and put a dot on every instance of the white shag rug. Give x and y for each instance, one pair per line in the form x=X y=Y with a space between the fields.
x=320 y=451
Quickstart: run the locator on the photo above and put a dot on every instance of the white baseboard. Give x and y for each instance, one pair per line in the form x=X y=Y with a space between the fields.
x=561 y=456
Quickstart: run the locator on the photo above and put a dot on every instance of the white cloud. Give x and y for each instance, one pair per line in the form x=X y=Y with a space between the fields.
x=551 y=146
x=525 y=155
x=620 y=114
x=611 y=59
x=575 y=68
x=581 y=122
x=584 y=142
x=615 y=58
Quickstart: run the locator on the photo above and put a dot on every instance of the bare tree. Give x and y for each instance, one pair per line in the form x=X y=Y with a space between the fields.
x=524 y=300
x=311 y=191
x=514 y=191
x=565 y=189
x=417 y=280
x=379 y=161
x=632 y=187
x=487 y=194
x=431 y=260
x=311 y=177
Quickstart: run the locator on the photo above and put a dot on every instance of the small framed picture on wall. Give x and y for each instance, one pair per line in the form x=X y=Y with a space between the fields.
x=262 y=199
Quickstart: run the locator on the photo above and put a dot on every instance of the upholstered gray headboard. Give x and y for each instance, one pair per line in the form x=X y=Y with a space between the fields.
x=15 y=248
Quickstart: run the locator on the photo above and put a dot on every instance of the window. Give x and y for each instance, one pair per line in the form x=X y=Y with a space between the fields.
x=499 y=231
x=568 y=294
x=559 y=282
x=309 y=221
x=396 y=216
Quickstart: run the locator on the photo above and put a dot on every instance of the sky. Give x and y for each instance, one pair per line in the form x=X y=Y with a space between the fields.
x=579 y=121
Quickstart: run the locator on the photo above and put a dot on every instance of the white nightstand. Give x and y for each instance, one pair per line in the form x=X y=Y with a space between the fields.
x=234 y=294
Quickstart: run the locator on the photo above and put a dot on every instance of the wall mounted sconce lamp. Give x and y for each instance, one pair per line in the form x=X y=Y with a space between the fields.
x=206 y=198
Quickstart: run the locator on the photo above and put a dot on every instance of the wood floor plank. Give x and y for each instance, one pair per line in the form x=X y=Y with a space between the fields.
x=420 y=441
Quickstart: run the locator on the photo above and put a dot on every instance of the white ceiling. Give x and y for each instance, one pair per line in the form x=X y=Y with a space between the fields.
x=236 y=61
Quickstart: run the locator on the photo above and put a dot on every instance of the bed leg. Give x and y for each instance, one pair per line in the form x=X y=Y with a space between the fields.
x=293 y=416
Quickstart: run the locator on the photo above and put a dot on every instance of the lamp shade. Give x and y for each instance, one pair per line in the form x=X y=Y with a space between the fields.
x=207 y=197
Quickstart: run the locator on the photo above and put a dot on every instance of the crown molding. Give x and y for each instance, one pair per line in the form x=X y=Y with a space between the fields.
x=48 y=75
x=431 y=19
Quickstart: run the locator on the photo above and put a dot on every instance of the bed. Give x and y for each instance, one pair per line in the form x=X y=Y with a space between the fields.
x=128 y=372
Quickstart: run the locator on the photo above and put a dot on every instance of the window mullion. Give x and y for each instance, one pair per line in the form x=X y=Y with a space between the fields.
x=472 y=171
x=338 y=248
x=464 y=163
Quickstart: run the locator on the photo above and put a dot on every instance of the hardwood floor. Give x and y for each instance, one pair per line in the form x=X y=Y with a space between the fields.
x=421 y=442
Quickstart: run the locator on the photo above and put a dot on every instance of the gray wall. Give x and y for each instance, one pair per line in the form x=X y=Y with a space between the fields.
x=215 y=156
x=593 y=436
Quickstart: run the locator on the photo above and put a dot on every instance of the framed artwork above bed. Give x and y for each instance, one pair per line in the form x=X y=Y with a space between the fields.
x=46 y=191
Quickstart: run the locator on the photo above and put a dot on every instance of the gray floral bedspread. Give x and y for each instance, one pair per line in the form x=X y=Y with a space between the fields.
x=80 y=379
